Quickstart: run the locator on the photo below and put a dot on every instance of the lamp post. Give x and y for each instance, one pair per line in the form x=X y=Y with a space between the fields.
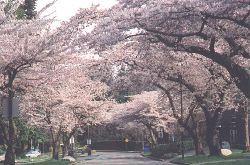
x=219 y=134
x=142 y=141
x=88 y=136
x=88 y=131
x=181 y=104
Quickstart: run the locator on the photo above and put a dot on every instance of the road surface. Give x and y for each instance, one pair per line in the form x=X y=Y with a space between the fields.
x=119 y=158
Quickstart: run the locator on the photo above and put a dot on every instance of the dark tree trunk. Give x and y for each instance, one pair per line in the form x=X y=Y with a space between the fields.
x=4 y=131
x=10 y=153
x=192 y=130
x=66 y=141
x=65 y=150
x=197 y=141
x=55 y=140
x=212 y=133
x=152 y=135
x=22 y=147
x=29 y=144
x=66 y=146
x=212 y=139
x=55 y=151
x=211 y=117
x=198 y=146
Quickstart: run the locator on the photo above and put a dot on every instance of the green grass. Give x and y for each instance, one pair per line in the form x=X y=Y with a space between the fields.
x=237 y=154
x=50 y=162
x=236 y=162
x=42 y=160
x=147 y=154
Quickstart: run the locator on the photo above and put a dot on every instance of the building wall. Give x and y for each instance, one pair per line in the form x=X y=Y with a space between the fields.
x=232 y=128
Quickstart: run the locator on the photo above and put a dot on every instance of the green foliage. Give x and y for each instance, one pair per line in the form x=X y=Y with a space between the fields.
x=23 y=159
x=160 y=150
x=27 y=10
x=188 y=145
x=121 y=96
x=2 y=150
x=42 y=160
x=51 y=162
x=198 y=159
x=232 y=162
x=8 y=6
x=24 y=132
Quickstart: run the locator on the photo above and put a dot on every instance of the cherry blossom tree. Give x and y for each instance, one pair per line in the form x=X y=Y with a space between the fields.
x=144 y=109
x=62 y=106
x=16 y=54
x=211 y=29
x=25 y=43
x=205 y=32
x=208 y=84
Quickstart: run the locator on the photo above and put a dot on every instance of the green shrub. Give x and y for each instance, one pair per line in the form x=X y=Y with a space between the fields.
x=163 y=149
x=160 y=150
x=188 y=145
x=2 y=150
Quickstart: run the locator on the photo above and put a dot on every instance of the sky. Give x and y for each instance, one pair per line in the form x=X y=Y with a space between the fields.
x=64 y=9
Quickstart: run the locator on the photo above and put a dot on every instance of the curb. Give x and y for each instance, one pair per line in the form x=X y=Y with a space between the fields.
x=179 y=163
x=153 y=158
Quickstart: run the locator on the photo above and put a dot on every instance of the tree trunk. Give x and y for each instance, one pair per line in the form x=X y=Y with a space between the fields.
x=246 y=133
x=29 y=144
x=198 y=146
x=4 y=131
x=66 y=141
x=22 y=147
x=197 y=142
x=55 y=142
x=152 y=135
x=65 y=150
x=55 y=152
x=212 y=140
x=10 y=153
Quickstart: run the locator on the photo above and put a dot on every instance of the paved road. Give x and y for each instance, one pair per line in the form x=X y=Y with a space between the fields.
x=119 y=158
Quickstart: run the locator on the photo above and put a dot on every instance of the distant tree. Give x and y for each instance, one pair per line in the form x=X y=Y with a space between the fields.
x=62 y=107
x=145 y=109
x=27 y=136
x=27 y=10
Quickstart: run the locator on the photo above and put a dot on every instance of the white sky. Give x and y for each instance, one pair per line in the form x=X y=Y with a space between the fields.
x=64 y=9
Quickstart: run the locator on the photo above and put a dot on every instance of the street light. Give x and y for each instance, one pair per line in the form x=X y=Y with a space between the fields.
x=88 y=138
x=182 y=132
